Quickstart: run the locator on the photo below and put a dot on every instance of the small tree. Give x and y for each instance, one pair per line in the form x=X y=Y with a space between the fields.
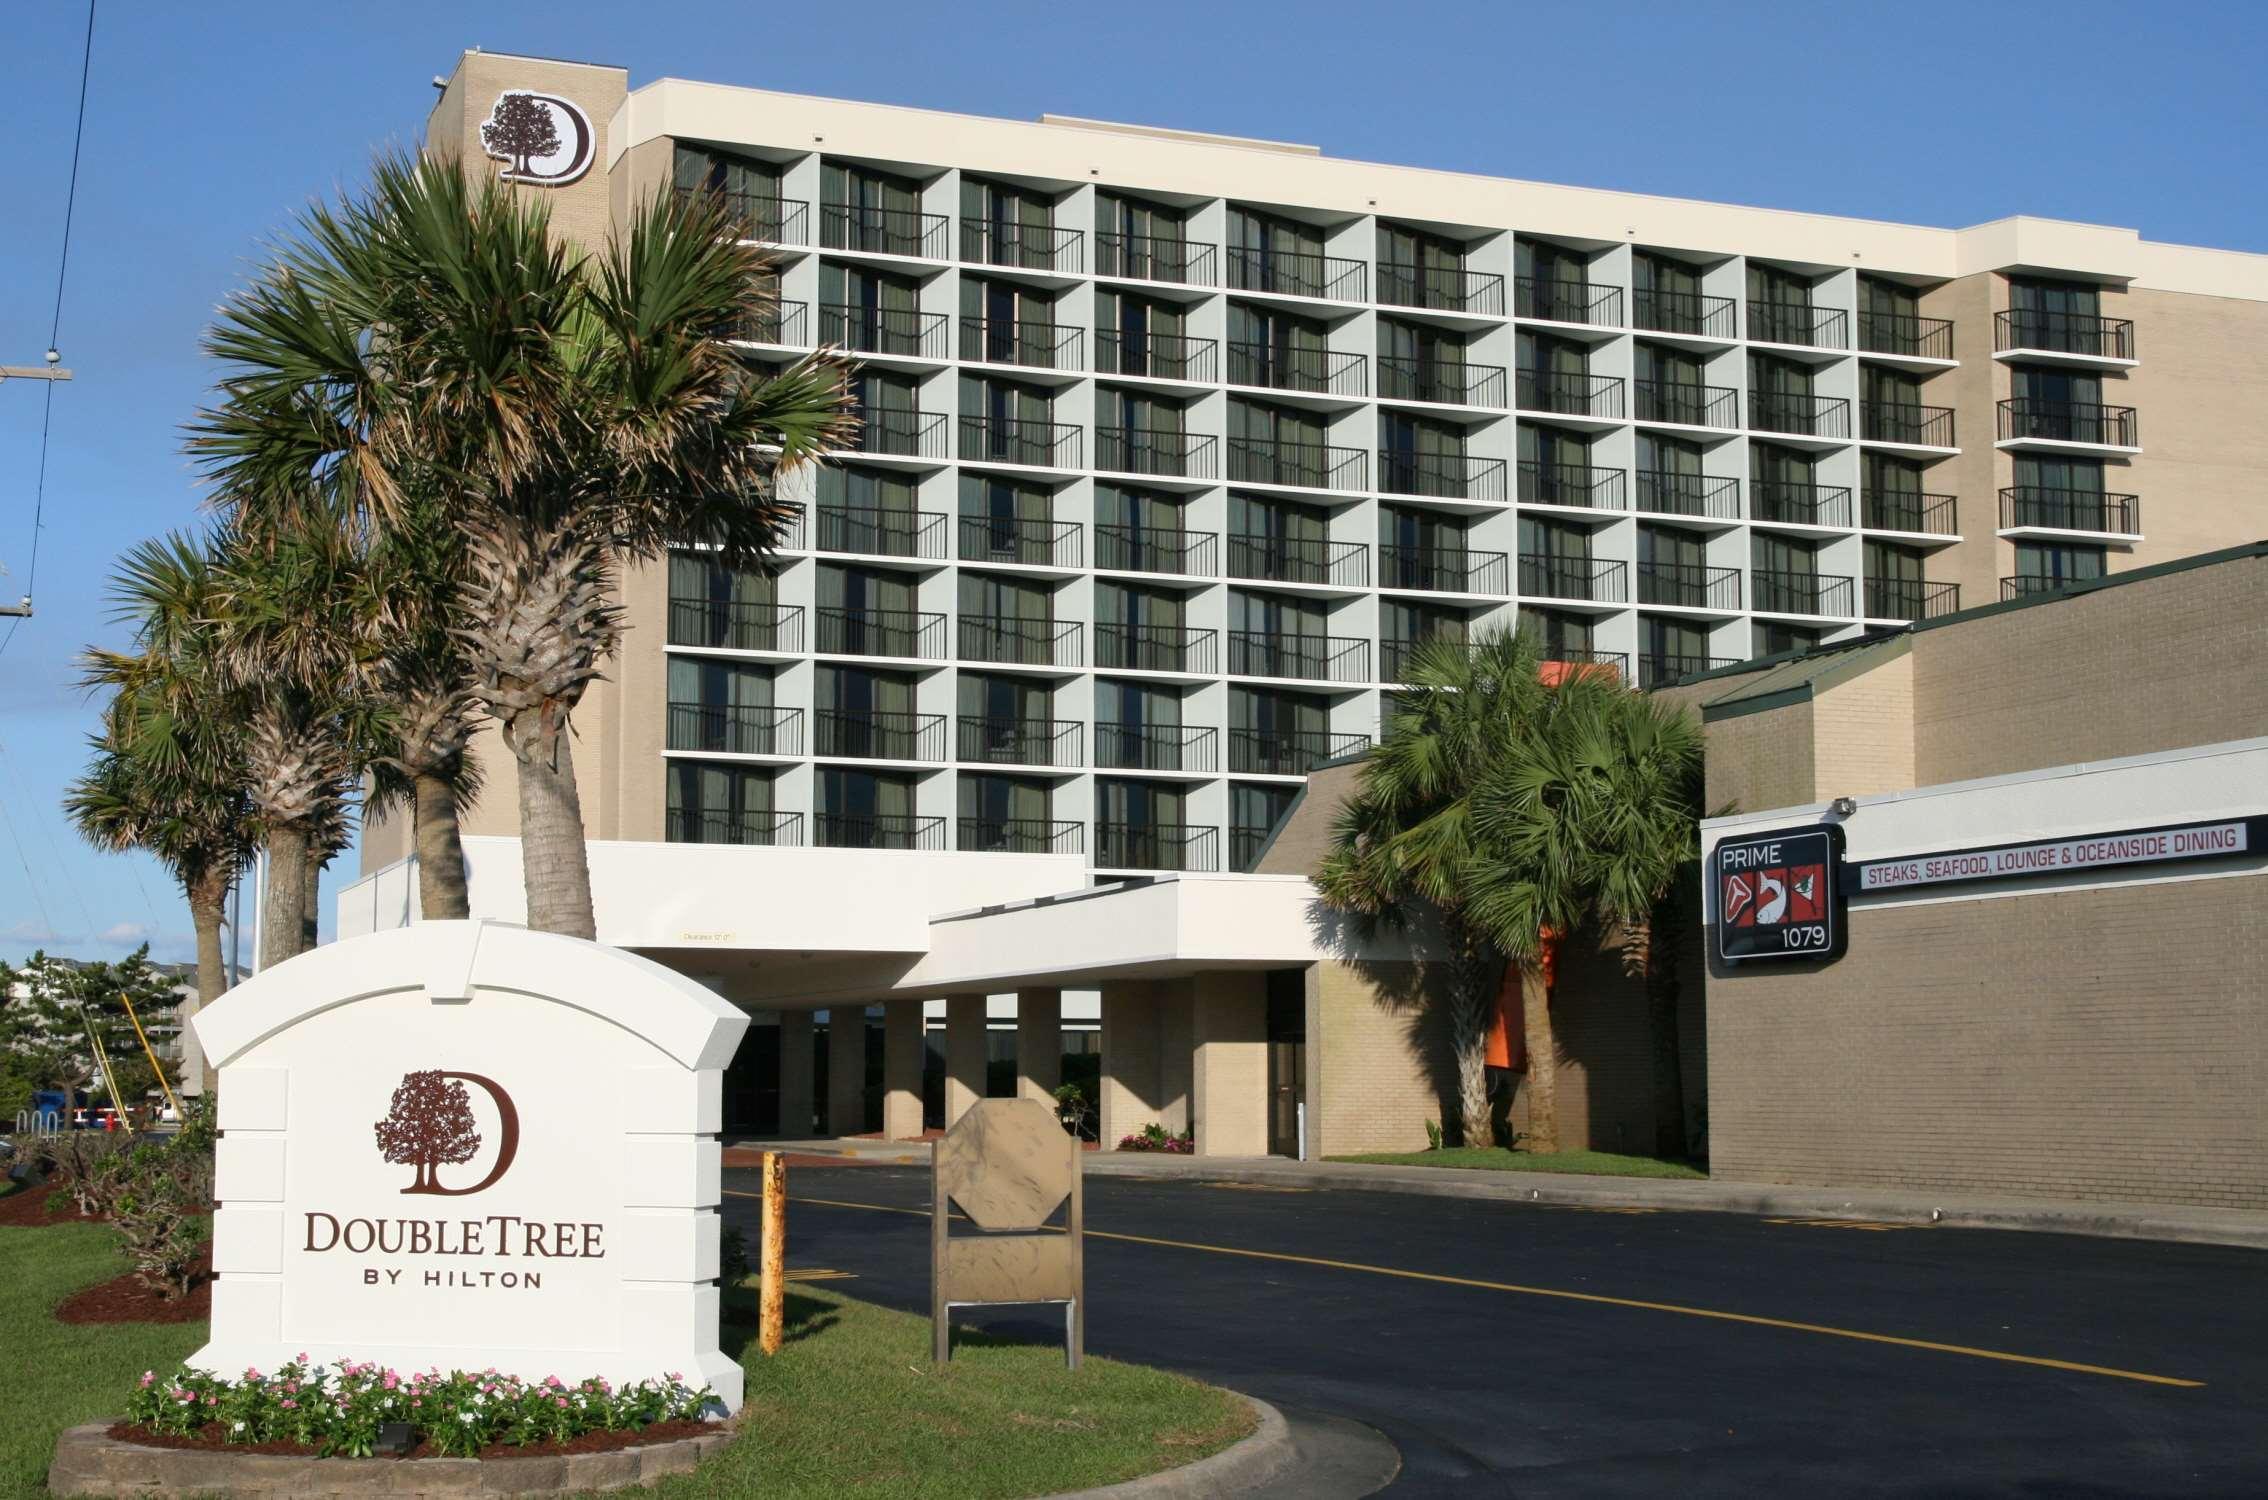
x=521 y=128
x=429 y=1125
x=54 y=1012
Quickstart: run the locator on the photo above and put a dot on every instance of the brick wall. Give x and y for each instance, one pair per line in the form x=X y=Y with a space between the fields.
x=1863 y=733
x=1761 y=760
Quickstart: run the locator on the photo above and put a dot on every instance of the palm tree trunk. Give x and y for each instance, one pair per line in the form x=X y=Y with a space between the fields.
x=311 y=913
x=284 y=899
x=1543 y=1060
x=441 y=891
x=554 y=864
x=208 y=904
x=1472 y=1007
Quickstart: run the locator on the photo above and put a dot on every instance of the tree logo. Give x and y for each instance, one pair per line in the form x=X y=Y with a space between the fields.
x=541 y=138
x=431 y=1125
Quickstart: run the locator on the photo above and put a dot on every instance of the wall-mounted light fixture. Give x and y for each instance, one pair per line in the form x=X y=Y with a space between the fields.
x=1844 y=806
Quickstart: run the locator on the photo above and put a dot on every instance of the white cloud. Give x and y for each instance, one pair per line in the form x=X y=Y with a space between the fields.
x=127 y=935
x=35 y=931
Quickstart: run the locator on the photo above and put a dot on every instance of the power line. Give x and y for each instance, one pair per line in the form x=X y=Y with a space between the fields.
x=30 y=880
x=71 y=198
x=63 y=871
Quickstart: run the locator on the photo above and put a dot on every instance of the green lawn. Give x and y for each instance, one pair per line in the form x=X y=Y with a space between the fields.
x=1496 y=1159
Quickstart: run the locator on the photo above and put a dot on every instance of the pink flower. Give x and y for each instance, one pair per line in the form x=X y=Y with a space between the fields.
x=289 y=1404
x=553 y=1381
x=302 y=1359
x=250 y=1373
x=212 y=1400
x=562 y=1400
x=147 y=1377
x=392 y=1381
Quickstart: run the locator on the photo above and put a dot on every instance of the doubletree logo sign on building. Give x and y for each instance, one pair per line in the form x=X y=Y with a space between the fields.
x=542 y=138
x=1779 y=895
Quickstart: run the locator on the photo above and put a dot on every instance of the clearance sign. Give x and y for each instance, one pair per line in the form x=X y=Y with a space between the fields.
x=2094 y=851
x=1779 y=895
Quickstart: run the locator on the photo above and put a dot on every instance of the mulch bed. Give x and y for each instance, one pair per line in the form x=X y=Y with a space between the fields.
x=123 y=1299
x=213 y=1436
x=26 y=1208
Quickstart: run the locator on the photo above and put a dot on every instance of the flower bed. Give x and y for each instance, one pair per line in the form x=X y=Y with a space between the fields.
x=1155 y=1138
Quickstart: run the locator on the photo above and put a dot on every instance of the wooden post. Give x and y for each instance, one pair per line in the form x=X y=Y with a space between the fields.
x=940 y=1208
x=772 y=1266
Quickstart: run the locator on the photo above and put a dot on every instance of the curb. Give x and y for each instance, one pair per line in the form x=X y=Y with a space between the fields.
x=1244 y=1466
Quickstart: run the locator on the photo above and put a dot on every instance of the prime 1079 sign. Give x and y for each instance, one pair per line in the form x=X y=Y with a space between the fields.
x=1779 y=895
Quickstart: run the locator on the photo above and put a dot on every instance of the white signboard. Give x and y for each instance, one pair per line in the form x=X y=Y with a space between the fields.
x=2059 y=856
x=467 y=1144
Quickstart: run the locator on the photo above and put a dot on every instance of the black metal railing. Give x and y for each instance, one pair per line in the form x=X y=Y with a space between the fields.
x=1792 y=502
x=1661 y=669
x=1573 y=662
x=1287 y=752
x=1570 y=393
x=1146 y=549
x=1798 y=414
x=1441 y=476
x=2049 y=509
x=884 y=231
x=1583 y=486
x=1904 y=333
x=1687 y=404
x=736 y=729
x=1033 y=541
x=1019 y=836
x=1018 y=440
x=1297 y=273
x=1688 y=585
x=1156 y=747
x=1278 y=367
x=918 y=634
x=995 y=741
x=1670 y=492
x=877 y=831
x=1795 y=323
x=1443 y=288
x=1546 y=575
x=2024 y=585
x=885 y=330
x=1910 y=598
x=1558 y=300
x=2069 y=422
x=1149 y=257
x=877 y=734
x=735 y=625
x=876 y=532
x=1034 y=247
x=1157 y=846
x=1310 y=658
x=1315 y=466
x=1021 y=341
x=1395 y=651
x=1788 y=591
x=759 y=216
x=776 y=829
x=2063 y=333
x=1447 y=570
x=1439 y=382
x=1157 y=450
x=1246 y=844
x=1687 y=312
x=1903 y=511
x=781 y=322
x=1160 y=356
x=1157 y=648
x=1280 y=559
x=1904 y=422
x=1020 y=643
x=900 y=434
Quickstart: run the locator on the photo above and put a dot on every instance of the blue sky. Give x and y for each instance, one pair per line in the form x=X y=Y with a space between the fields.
x=208 y=124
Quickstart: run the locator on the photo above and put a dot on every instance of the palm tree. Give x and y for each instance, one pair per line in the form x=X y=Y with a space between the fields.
x=572 y=413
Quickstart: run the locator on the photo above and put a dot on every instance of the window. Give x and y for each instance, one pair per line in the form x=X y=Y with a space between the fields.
x=713 y=605
x=1137 y=238
x=1278 y=445
x=1277 y=732
x=748 y=189
x=1005 y=718
x=1279 y=539
x=867 y=715
x=1142 y=629
x=888 y=407
x=1008 y=422
x=1420 y=363
x=1402 y=623
x=1896 y=493
x=1005 y=520
x=1273 y=348
x=864 y=509
x=1006 y=226
x=1419 y=456
x=1004 y=813
x=1674 y=640
x=862 y=209
x=1422 y=549
x=1005 y=323
x=1554 y=282
x=1417 y=269
x=1558 y=635
x=1783 y=485
x=1140 y=335
x=1555 y=466
x=2055 y=387
x=720 y=706
x=1007 y=619
x=2043 y=565
x=1779 y=305
x=1669 y=296
x=713 y=803
x=1254 y=812
x=1272 y=254
x=865 y=809
x=1770 y=637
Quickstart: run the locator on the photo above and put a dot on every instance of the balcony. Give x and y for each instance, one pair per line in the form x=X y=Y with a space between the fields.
x=1293 y=273
x=1157 y=648
x=1689 y=586
x=1014 y=440
x=1931 y=515
x=1439 y=382
x=1029 y=247
x=1781 y=591
x=2028 y=507
x=1159 y=356
x=1021 y=341
x=912 y=634
x=884 y=330
x=1314 y=466
x=883 y=231
x=1020 y=643
x=2025 y=419
x=1276 y=559
x=1156 y=451
x=1320 y=372
x=877 y=831
x=1156 y=747
x=1143 y=549
x=1306 y=658
x=1587 y=580
x=1246 y=845
x=1670 y=492
x=1441 y=476
x=873 y=532
x=1571 y=394
x=1157 y=846
x=783 y=830
x=877 y=734
x=1029 y=541
x=735 y=625
x=1444 y=570
x=781 y=323
x=1690 y=313
x=1905 y=335
x=1799 y=415
x=735 y=729
x=1803 y=327
x=1576 y=486
x=1910 y=599
x=1688 y=405
x=1019 y=836
x=1902 y=422
x=900 y=434
x=1147 y=257
x=1666 y=669
x=1562 y=662
x=761 y=217
x=1394 y=653
x=1793 y=503
x=1288 y=752
x=1440 y=288
x=1018 y=742
x=1556 y=300
x=2078 y=334
x=2027 y=585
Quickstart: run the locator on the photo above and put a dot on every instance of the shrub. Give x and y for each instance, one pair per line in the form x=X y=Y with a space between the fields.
x=1074 y=1104
x=732 y=1256
x=160 y=1196
x=1153 y=1137
x=76 y=1163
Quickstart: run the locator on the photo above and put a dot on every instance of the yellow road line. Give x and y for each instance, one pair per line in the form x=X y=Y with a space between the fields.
x=1595 y=1298
x=1867 y=1224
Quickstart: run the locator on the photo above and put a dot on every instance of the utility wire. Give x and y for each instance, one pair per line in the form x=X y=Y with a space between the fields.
x=30 y=880
x=63 y=871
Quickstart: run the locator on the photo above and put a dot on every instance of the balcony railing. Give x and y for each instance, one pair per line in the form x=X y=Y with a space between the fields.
x=1798 y=414
x=2069 y=422
x=1570 y=394
x=1034 y=247
x=2063 y=333
x=1296 y=273
x=1020 y=643
x=1314 y=466
x=877 y=734
x=883 y=231
x=1156 y=747
x=735 y=729
x=1019 y=836
x=1317 y=371
x=916 y=634
x=1443 y=288
x=691 y=826
x=1662 y=669
x=901 y=434
x=1309 y=658
x=877 y=831
x=1670 y=492
x=1160 y=356
x=992 y=741
x=1015 y=440
x=1156 y=450
x=1689 y=313
x=735 y=625
x=762 y=217
x=781 y=322
x=1577 y=662
x=1442 y=383
x=2024 y=585
x=1148 y=257
x=1157 y=648
x=884 y=330
x=2046 y=509
x=1784 y=591
x=1442 y=476
x=1544 y=575
x=1144 y=549
x=1794 y=503
x=1447 y=570
x=1394 y=653
x=1033 y=541
x=1791 y=323
x=1910 y=599
x=1901 y=422
x=1021 y=341
x=1557 y=300
x=1278 y=559
x=1287 y=752
x=1903 y=333
x=1584 y=486
x=1688 y=585
x=1157 y=846
x=1246 y=844
x=879 y=533
x=1901 y=511
x=1686 y=404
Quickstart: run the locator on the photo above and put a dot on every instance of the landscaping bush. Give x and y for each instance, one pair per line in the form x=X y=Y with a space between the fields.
x=1075 y=1107
x=158 y=1200
x=75 y=1162
x=1154 y=1138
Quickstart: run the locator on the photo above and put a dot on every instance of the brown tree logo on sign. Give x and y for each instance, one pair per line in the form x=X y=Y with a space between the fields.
x=430 y=1125
x=542 y=139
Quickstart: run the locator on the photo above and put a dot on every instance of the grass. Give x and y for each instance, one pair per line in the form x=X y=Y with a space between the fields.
x=1496 y=1159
